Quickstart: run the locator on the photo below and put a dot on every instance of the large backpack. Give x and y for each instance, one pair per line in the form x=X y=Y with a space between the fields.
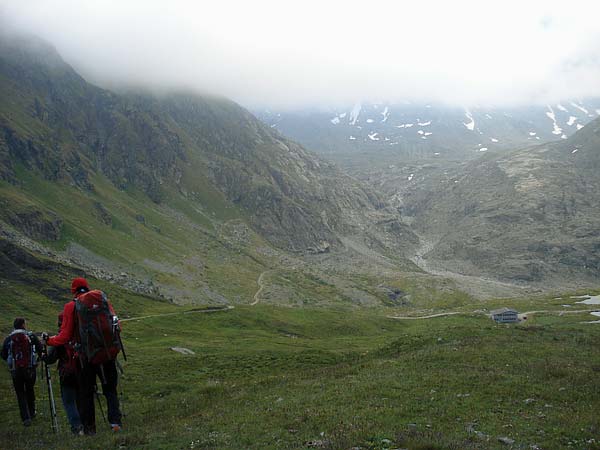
x=68 y=363
x=21 y=353
x=98 y=332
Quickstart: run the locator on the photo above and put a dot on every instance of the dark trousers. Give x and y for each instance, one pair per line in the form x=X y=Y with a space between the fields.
x=69 y=388
x=108 y=376
x=24 y=382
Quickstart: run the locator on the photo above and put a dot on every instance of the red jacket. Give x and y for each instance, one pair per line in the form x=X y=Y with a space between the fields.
x=67 y=329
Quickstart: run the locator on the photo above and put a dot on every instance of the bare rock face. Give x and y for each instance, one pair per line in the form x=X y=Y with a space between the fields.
x=530 y=216
x=36 y=224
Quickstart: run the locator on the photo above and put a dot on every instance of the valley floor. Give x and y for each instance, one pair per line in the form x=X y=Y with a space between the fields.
x=277 y=377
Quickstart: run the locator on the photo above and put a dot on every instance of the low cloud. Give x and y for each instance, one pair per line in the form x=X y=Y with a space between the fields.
x=309 y=53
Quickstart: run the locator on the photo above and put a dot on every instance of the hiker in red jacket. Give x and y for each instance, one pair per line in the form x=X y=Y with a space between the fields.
x=97 y=350
x=69 y=369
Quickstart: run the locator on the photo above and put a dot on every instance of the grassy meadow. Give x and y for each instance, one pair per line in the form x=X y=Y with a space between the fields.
x=272 y=377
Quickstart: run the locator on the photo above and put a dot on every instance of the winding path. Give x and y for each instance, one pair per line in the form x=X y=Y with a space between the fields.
x=545 y=311
x=261 y=286
x=427 y=317
x=192 y=311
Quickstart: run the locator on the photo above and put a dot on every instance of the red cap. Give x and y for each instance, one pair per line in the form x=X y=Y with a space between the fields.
x=78 y=283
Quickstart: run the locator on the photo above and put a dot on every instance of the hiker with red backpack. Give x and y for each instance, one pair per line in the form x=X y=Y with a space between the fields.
x=20 y=350
x=90 y=321
x=69 y=377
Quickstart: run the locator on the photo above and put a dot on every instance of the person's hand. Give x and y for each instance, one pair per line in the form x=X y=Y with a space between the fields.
x=44 y=338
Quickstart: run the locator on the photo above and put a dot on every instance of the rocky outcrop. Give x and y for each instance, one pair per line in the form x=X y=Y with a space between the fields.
x=36 y=224
x=69 y=131
x=531 y=216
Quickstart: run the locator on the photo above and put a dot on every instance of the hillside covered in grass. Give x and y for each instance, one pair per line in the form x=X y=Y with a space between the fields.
x=265 y=377
x=185 y=196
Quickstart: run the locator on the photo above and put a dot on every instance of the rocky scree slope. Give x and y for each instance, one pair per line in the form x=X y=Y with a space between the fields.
x=199 y=160
x=532 y=215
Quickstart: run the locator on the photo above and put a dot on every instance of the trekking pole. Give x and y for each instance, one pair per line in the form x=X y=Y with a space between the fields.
x=122 y=372
x=117 y=330
x=50 y=394
x=100 y=403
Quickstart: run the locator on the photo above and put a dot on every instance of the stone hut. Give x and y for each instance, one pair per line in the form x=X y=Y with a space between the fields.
x=504 y=315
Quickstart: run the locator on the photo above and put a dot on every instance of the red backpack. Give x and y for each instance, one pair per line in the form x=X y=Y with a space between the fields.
x=97 y=327
x=21 y=352
x=68 y=363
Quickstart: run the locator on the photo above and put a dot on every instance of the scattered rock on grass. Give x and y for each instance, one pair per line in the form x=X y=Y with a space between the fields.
x=506 y=440
x=183 y=351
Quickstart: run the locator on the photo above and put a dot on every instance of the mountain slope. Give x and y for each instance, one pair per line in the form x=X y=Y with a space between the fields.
x=180 y=193
x=531 y=215
x=415 y=131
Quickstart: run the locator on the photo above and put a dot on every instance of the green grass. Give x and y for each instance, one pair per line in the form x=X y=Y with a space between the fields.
x=156 y=248
x=280 y=377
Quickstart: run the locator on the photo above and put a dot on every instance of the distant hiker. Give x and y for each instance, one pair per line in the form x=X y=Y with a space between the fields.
x=20 y=350
x=69 y=375
x=91 y=322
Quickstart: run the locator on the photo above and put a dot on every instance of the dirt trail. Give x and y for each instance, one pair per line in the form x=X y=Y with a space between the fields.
x=193 y=311
x=546 y=311
x=474 y=285
x=426 y=317
x=261 y=286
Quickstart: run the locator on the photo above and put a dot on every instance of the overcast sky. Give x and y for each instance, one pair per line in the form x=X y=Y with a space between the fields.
x=303 y=53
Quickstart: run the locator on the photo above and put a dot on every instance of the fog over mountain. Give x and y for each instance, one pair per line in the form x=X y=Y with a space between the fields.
x=297 y=54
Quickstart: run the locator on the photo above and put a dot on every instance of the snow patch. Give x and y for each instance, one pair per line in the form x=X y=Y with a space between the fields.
x=342 y=115
x=420 y=132
x=550 y=113
x=335 y=120
x=590 y=300
x=575 y=151
x=562 y=108
x=385 y=114
x=355 y=113
x=532 y=133
x=571 y=121
x=373 y=136
x=564 y=136
x=483 y=149
x=493 y=139
x=598 y=112
x=580 y=108
x=411 y=176
x=424 y=124
x=352 y=138
x=488 y=116
x=470 y=125
x=370 y=121
x=428 y=133
x=579 y=126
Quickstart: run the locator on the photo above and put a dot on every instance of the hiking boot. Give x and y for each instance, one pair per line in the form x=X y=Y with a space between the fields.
x=77 y=431
x=115 y=427
x=27 y=422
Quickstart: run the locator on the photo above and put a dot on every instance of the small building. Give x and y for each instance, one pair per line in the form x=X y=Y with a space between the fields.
x=504 y=315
